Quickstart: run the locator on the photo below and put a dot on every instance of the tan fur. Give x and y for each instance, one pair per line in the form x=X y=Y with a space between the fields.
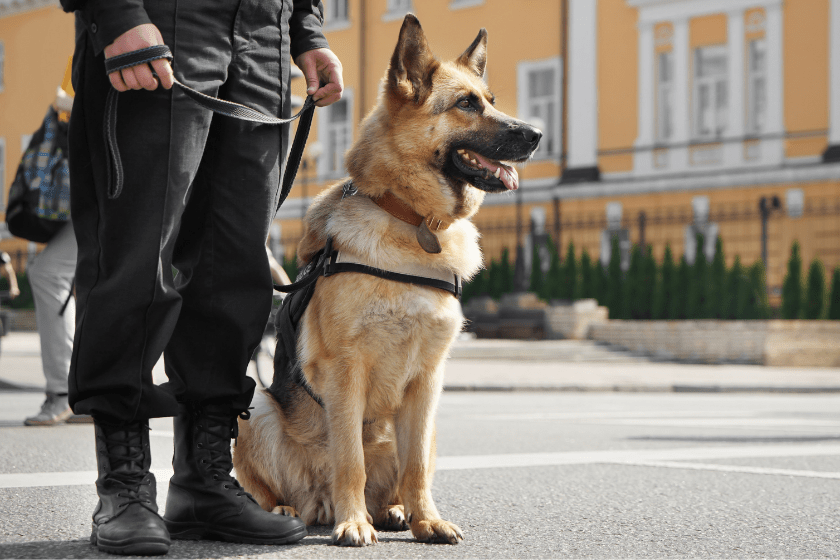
x=373 y=349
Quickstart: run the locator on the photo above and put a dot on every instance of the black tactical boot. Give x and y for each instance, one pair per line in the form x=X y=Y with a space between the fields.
x=205 y=501
x=126 y=520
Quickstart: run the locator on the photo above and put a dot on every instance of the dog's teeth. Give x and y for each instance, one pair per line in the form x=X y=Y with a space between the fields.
x=461 y=152
x=498 y=172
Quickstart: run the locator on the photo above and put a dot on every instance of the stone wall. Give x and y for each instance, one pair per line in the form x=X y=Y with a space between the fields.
x=770 y=343
x=773 y=343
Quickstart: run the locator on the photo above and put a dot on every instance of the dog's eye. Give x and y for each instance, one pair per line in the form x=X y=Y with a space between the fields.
x=465 y=103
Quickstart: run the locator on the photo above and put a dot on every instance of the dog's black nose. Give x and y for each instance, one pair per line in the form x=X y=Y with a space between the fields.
x=532 y=135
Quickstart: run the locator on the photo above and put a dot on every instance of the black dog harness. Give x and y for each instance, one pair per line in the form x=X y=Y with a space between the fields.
x=326 y=262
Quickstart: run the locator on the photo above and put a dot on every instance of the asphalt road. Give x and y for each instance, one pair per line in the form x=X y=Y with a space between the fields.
x=525 y=475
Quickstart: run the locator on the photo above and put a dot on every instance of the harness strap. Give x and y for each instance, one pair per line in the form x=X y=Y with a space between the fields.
x=334 y=267
x=116 y=174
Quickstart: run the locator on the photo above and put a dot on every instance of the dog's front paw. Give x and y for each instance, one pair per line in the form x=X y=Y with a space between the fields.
x=354 y=533
x=437 y=531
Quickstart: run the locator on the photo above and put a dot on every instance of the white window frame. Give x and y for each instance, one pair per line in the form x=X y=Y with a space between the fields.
x=396 y=9
x=461 y=4
x=756 y=109
x=664 y=98
x=721 y=114
x=335 y=20
x=526 y=103
x=326 y=129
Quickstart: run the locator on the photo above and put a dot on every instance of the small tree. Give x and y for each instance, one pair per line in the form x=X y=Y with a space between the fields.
x=662 y=293
x=834 y=297
x=554 y=285
x=635 y=284
x=615 y=280
x=792 y=286
x=290 y=266
x=678 y=306
x=815 y=291
x=570 y=275
x=650 y=279
x=733 y=284
x=537 y=282
x=697 y=283
x=494 y=280
x=599 y=279
x=587 y=276
x=759 y=305
x=506 y=272
x=716 y=285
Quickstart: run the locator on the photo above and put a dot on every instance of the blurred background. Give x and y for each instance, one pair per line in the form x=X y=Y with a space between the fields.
x=692 y=144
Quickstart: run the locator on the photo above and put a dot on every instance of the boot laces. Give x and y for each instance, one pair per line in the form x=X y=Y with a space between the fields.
x=220 y=429
x=127 y=466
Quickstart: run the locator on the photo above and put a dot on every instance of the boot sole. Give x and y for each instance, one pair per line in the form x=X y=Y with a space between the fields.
x=204 y=531
x=131 y=547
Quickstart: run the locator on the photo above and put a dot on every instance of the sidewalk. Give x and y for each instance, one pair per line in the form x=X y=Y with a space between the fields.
x=512 y=365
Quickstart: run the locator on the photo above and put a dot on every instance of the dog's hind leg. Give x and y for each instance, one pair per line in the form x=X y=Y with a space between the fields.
x=416 y=451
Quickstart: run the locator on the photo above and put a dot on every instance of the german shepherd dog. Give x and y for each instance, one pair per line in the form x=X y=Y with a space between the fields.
x=372 y=350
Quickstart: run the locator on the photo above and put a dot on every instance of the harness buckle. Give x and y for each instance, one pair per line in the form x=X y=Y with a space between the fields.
x=348 y=189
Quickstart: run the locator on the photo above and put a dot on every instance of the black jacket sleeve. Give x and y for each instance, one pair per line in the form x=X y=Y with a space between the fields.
x=106 y=20
x=305 y=27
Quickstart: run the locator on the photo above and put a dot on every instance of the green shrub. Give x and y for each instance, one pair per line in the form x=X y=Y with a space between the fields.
x=661 y=305
x=697 y=283
x=715 y=305
x=815 y=291
x=587 y=276
x=792 y=285
x=834 y=297
x=570 y=275
x=678 y=306
x=615 y=281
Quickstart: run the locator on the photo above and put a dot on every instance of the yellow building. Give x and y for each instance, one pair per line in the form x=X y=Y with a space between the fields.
x=36 y=42
x=663 y=119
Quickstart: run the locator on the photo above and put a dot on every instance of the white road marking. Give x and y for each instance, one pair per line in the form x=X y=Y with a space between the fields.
x=733 y=468
x=666 y=458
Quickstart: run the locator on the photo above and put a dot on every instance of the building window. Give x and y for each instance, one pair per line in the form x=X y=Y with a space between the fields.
x=710 y=92
x=664 y=95
x=335 y=132
x=336 y=12
x=458 y=4
x=539 y=102
x=398 y=8
x=756 y=86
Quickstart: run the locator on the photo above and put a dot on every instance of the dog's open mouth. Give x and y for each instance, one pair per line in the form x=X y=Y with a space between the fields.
x=476 y=165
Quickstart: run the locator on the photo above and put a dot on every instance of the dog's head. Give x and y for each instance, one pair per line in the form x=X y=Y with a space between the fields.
x=441 y=119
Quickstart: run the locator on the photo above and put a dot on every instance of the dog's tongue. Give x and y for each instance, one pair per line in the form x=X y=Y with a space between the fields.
x=507 y=175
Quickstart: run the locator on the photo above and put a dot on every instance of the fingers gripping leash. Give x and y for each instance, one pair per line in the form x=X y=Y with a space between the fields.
x=220 y=106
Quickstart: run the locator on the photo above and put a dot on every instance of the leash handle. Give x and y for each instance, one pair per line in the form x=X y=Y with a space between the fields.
x=220 y=106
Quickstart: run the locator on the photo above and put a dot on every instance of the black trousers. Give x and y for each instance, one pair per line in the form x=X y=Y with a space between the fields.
x=199 y=195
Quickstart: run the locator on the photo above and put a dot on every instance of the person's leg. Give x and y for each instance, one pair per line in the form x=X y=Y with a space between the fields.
x=127 y=302
x=225 y=284
x=51 y=277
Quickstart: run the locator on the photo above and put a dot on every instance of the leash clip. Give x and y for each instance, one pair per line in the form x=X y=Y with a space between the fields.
x=349 y=189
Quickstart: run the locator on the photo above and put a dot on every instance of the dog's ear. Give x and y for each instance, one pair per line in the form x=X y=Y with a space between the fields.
x=475 y=57
x=412 y=64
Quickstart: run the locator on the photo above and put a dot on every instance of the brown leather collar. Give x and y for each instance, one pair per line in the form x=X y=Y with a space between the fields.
x=402 y=211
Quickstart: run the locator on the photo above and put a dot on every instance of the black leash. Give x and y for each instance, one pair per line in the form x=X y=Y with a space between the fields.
x=116 y=174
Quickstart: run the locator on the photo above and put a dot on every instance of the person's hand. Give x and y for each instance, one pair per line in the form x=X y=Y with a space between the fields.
x=140 y=76
x=14 y=292
x=321 y=65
